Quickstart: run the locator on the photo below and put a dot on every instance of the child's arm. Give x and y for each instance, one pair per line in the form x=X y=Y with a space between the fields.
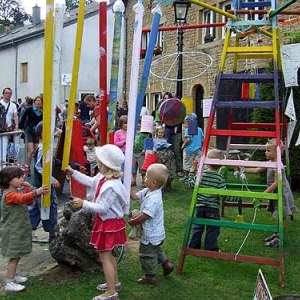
x=138 y=220
x=274 y=185
x=119 y=139
x=133 y=196
x=186 y=141
x=80 y=177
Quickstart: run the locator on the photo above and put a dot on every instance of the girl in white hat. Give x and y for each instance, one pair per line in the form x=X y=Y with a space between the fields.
x=110 y=204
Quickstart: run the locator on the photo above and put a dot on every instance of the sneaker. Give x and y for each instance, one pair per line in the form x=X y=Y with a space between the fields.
x=146 y=279
x=20 y=279
x=183 y=179
x=168 y=268
x=103 y=287
x=107 y=297
x=13 y=287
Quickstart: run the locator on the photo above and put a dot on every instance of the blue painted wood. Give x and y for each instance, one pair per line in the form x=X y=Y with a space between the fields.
x=252 y=5
x=245 y=104
x=242 y=77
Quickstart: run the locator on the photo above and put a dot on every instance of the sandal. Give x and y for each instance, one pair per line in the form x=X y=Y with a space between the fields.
x=273 y=244
x=270 y=238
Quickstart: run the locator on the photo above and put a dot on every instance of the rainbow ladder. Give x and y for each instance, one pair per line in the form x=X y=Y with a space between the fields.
x=240 y=54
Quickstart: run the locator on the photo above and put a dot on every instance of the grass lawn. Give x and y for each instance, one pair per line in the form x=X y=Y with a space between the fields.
x=202 y=278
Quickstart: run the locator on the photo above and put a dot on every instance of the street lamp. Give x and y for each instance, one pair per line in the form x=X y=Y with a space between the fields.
x=181 y=8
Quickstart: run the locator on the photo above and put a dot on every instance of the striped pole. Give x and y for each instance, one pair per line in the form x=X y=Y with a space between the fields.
x=119 y=9
x=73 y=88
x=147 y=64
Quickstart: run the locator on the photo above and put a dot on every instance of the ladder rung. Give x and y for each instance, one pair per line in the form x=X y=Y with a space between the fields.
x=259 y=23
x=236 y=193
x=247 y=146
x=240 y=163
x=251 y=104
x=262 y=49
x=255 y=78
x=244 y=133
x=255 y=56
x=255 y=4
x=230 y=224
x=253 y=125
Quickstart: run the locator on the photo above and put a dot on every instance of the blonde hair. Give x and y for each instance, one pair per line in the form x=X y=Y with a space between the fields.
x=90 y=141
x=111 y=174
x=215 y=154
x=272 y=143
x=161 y=174
x=160 y=128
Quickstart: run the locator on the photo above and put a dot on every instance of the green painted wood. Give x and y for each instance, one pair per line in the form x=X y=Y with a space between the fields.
x=236 y=225
x=246 y=194
x=284 y=5
x=251 y=186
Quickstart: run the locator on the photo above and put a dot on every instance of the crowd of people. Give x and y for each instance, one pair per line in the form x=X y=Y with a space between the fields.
x=177 y=154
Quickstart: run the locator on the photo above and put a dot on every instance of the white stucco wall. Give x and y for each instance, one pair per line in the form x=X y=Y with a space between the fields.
x=33 y=53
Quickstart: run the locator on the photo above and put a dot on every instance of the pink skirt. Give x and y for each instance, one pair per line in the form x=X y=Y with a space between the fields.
x=108 y=234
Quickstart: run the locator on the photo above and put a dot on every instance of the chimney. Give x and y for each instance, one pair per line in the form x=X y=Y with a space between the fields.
x=36 y=15
x=6 y=27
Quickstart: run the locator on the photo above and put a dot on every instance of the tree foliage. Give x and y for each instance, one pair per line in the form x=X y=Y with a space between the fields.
x=12 y=12
x=71 y=4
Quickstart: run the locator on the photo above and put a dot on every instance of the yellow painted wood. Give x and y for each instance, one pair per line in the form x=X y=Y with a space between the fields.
x=47 y=99
x=73 y=88
x=262 y=49
x=254 y=55
x=224 y=51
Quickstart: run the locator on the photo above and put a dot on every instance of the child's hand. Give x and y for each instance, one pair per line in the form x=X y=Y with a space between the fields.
x=25 y=184
x=77 y=203
x=56 y=184
x=129 y=222
x=42 y=190
x=69 y=170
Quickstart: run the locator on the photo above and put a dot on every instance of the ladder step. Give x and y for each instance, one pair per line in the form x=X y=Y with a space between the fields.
x=247 y=146
x=246 y=104
x=237 y=125
x=244 y=133
x=255 y=78
x=259 y=23
x=254 y=56
x=254 y=49
x=240 y=163
x=255 y=4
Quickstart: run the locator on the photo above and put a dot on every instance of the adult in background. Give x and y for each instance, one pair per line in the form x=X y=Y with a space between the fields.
x=91 y=103
x=84 y=112
x=144 y=110
x=124 y=109
x=12 y=121
x=31 y=117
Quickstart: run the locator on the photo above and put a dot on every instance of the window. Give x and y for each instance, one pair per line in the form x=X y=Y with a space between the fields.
x=146 y=37
x=254 y=17
x=226 y=6
x=209 y=17
x=24 y=72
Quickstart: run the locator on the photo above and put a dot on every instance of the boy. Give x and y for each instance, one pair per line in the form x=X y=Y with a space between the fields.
x=191 y=146
x=152 y=220
x=89 y=150
x=35 y=208
x=208 y=206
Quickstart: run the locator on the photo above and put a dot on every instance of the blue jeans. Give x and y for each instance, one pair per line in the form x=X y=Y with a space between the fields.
x=212 y=232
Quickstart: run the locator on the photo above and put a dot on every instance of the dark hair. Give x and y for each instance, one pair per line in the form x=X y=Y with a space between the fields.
x=168 y=94
x=38 y=97
x=7 y=174
x=7 y=88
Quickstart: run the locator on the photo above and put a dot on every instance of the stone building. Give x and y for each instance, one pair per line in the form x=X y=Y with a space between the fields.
x=198 y=87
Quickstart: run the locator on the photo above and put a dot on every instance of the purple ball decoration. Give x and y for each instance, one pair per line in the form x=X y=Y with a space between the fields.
x=172 y=112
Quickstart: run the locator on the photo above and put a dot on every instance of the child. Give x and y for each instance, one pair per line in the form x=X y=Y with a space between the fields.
x=110 y=205
x=16 y=231
x=35 y=209
x=89 y=149
x=208 y=206
x=120 y=141
x=152 y=220
x=272 y=182
x=191 y=146
x=166 y=155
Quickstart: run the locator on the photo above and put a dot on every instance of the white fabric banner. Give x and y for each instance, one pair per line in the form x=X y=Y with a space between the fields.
x=290 y=130
x=290 y=107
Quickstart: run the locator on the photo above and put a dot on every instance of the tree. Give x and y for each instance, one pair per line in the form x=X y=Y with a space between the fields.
x=12 y=12
x=71 y=4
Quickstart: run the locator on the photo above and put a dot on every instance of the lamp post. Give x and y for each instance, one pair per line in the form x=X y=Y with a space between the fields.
x=181 y=8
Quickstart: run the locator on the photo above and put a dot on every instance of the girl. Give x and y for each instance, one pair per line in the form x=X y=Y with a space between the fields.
x=110 y=204
x=31 y=117
x=272 y=182
x=120 y=134
x=16 y=229
x=166 y=156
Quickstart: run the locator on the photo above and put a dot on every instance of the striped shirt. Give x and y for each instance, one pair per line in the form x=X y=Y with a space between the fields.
x=212 y=180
